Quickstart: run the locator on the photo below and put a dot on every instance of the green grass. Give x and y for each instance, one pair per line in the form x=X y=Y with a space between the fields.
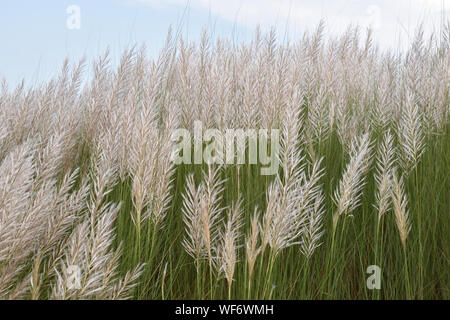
x=419 y=272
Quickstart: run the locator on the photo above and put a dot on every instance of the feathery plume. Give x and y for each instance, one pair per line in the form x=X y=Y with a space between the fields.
x=410 y=135
x=312 y=230
x=202 y=215
x=400 y=203
x=383 y=174
x=229 y=242
x=347 y=195
x=252 y=248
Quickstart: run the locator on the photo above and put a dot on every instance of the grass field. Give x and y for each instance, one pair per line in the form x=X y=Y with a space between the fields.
x=88 y=188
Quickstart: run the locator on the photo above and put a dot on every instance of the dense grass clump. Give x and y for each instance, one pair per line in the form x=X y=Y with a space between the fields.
x=87 y=182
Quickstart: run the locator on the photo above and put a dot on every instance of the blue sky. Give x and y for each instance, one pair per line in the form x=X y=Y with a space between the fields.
x=36 y=39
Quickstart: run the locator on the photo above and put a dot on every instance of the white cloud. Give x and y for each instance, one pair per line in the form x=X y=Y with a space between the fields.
x=393 y=21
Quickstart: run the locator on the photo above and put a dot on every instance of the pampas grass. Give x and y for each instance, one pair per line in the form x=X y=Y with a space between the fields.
x=86 y=178
x=347 y=196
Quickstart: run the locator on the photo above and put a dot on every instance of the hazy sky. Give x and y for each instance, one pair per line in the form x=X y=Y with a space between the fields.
x=36 y=37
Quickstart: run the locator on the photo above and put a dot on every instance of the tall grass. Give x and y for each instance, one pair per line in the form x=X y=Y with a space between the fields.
x=86 y=178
